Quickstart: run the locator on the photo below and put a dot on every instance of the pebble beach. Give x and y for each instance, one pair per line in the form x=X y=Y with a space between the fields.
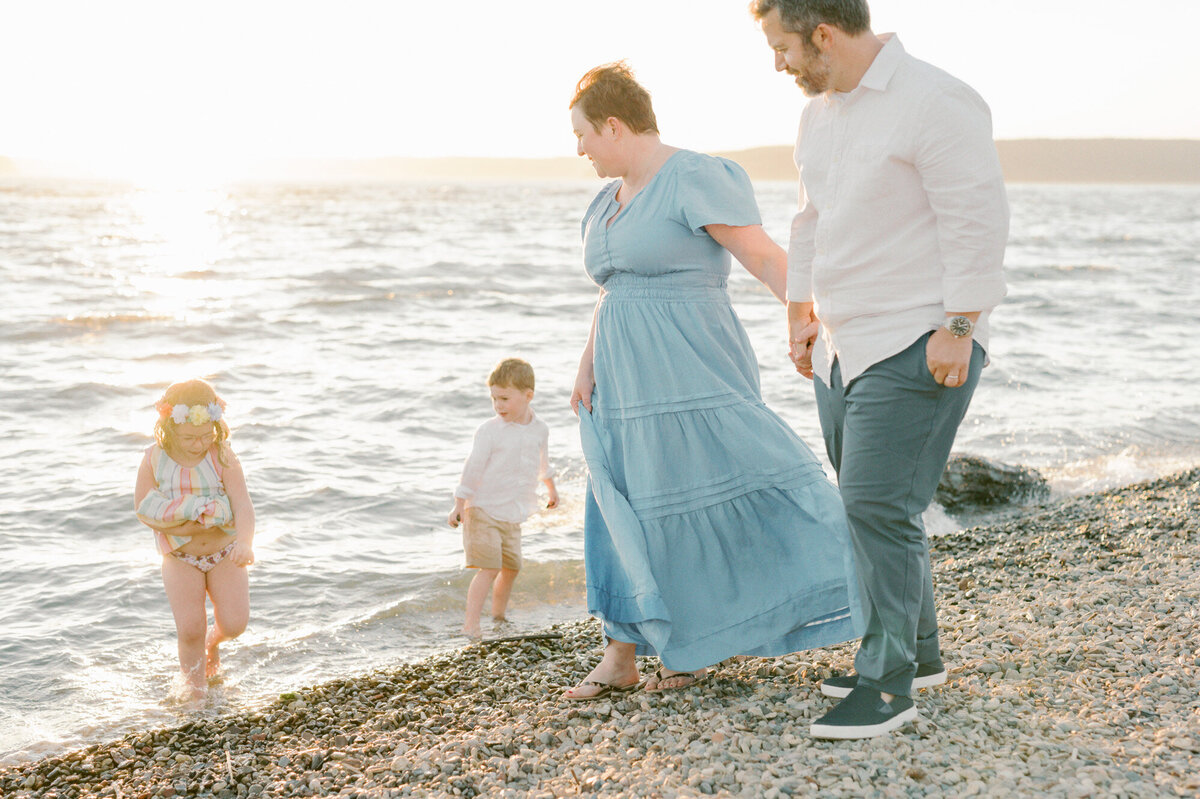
x=1071 y=631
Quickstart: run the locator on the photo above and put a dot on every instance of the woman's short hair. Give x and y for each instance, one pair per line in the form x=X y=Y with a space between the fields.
x=610 y=90
x=803 y=16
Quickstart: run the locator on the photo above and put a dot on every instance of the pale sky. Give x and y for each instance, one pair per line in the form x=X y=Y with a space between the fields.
x=128 y=85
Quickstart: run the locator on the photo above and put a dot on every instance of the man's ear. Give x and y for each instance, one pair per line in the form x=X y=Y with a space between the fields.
x=822 y=37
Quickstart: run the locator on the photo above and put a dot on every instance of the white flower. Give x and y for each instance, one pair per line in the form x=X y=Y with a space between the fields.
x=214 y=411
x=179 y=414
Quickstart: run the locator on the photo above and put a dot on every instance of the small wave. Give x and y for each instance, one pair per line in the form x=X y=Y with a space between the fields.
x=106 y=321
x=361 y=244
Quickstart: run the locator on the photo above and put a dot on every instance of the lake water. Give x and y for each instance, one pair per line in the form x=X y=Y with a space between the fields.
x=351 y=327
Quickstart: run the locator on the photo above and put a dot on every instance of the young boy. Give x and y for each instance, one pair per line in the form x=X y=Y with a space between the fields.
x=498 y=489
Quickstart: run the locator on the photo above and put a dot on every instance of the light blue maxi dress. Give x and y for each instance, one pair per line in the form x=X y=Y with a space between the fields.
x=710 y=528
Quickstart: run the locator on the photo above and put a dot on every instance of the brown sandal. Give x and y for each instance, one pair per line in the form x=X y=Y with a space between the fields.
x=606 y=690
x=690 y=677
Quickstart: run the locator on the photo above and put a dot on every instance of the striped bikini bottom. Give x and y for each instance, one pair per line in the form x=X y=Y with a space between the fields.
x=205 y=563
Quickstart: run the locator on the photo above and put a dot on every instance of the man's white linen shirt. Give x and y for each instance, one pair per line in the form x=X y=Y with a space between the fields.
x=501 y=474
x=903 y=214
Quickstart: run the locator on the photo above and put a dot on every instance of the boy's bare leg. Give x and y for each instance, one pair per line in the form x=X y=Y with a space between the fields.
x=476 y=594
x=501 y=590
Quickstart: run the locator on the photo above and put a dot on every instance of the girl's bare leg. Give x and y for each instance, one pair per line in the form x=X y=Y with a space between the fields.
x=501 y=590
x=476 y=594
x=185 y=591
x=618 y=667
x=229 y=589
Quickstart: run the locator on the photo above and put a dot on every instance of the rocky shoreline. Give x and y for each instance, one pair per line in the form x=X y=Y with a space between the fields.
x=1072 y=634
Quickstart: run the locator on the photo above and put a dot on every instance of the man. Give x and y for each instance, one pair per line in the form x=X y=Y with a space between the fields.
x=896 y=257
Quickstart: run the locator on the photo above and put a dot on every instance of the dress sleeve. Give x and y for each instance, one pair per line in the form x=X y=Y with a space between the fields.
x=715 y=191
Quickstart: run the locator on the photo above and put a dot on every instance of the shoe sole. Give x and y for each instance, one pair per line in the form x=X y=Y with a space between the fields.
x=838 y=732
x=918 y=684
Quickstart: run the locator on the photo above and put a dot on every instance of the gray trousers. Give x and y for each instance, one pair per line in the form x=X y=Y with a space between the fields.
x=888 y=435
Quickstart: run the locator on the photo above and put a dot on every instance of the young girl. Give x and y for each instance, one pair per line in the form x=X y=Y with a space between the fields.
x=191 y=491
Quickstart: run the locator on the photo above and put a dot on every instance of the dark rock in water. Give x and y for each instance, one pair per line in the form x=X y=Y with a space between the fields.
x=973 y=481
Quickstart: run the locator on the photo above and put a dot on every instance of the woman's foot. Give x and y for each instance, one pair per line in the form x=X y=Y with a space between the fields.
x=474 y=633
x=666 y=680
x=617 y=670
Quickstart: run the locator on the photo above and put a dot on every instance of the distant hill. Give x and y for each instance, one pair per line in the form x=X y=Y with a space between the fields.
x=1023 y=161
x=1100 y=160
x=1045 y=161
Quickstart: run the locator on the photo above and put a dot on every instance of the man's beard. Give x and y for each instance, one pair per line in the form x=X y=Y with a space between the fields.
x=813 y=75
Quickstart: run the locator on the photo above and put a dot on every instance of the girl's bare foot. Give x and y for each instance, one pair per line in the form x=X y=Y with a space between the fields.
x=474 y=633
x=212 y=651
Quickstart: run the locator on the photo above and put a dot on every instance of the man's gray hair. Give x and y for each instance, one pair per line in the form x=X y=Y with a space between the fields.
x=803 y=16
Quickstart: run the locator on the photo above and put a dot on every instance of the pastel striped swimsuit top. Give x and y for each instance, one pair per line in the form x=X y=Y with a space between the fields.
x=185 y=493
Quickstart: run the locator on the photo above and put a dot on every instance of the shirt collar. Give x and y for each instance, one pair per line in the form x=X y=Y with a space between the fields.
x=885 y=63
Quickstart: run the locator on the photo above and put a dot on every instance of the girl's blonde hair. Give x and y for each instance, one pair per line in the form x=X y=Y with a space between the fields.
x=189 y=393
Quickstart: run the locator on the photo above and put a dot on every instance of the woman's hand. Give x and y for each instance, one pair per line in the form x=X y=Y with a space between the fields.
x=585 y=384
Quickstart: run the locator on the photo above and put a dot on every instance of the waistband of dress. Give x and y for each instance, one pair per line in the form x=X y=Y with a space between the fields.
x=687 y=286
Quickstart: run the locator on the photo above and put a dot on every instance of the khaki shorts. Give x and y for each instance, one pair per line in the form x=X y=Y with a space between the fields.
x=490 y=543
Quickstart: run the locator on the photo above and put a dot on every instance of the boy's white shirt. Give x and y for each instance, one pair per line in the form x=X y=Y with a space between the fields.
x=507 y=461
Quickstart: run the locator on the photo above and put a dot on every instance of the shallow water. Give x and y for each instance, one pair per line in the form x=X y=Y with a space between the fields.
x=350 y=328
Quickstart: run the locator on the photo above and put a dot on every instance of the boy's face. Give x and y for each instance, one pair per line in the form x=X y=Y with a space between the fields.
x=511 y=404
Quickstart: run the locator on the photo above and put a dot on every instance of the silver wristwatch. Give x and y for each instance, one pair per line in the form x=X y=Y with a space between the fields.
x=959 y=326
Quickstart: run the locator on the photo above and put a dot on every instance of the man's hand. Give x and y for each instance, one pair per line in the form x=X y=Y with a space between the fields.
x=802 y=336
x=948 y=358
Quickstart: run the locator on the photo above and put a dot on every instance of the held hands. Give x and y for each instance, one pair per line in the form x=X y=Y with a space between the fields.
x=802 y=336
x=948 y=358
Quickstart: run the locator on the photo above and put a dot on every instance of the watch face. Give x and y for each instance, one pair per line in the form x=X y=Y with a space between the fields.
x=959 y=326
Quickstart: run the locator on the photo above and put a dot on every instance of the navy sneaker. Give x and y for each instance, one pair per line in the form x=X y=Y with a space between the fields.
x=864 y=714
x=927 y=677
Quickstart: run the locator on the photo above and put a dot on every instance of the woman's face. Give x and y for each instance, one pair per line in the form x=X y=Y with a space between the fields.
x=598 y=145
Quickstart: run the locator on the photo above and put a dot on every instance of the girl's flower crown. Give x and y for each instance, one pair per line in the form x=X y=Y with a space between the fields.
x=197 y=414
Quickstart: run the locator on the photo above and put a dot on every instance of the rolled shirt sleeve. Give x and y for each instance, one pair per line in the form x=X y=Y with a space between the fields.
x=960 y=171
x=475 y=465
x=801 y=250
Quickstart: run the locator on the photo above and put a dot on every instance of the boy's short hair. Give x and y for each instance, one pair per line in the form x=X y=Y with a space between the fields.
x=512 y=373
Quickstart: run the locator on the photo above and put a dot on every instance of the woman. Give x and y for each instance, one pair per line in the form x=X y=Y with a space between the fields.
x=710 y=529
